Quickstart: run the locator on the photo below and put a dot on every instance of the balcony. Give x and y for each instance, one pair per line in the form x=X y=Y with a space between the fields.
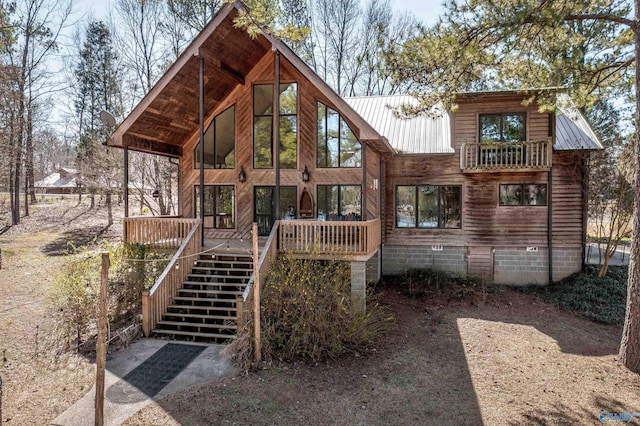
x=506 y=156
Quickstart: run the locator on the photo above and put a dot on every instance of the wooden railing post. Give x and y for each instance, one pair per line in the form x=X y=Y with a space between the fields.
x=256 y=293
x=146 y=314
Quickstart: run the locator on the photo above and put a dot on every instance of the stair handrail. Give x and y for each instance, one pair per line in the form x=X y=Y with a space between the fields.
x=161 y=295
x=269 y=253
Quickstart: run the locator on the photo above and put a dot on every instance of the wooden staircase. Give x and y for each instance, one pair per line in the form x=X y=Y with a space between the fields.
x=205 y=308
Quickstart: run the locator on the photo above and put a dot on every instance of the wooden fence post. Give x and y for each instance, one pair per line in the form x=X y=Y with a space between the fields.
x=146 y=328
x=256 y=293
x=101 y=346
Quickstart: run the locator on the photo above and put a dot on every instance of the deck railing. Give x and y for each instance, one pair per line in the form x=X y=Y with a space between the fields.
x=244 y=302
x=499 y=156
x=340 y=238
x=166 y=232
x=165 y=289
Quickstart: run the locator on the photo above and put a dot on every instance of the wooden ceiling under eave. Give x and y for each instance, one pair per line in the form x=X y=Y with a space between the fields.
x=168 y=116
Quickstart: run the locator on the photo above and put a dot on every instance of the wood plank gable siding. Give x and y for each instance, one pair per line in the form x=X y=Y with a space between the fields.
x=242 y=97
x=171 y=115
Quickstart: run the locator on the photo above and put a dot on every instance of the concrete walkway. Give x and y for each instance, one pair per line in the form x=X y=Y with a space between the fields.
x=125 y=376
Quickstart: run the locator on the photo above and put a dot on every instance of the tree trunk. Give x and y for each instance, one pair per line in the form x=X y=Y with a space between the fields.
x=109 y=209
x=630 y=344
x=30 y=193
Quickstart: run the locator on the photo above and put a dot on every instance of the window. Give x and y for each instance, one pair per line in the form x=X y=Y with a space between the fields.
x=264 y=205
x=508 y=127
x=428 y=206
x=219 y=142
x=523 y=195
x=263 y=126
x=339 y=202
x=337 y=145
x=219 y=206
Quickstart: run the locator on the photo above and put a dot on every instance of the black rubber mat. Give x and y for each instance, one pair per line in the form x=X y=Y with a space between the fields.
x=150 y=377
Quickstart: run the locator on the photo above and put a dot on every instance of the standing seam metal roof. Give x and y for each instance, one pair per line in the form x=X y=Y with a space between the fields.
x=432 y=135
x=416 y=135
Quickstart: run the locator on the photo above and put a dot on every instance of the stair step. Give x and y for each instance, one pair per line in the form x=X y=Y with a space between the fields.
x=214 y=268
x=199 y=325
x=205 y=299
x=195 y=334
x=237 y=261
x=237 y=277
x=212 y=311
x=213 y=284
x=226 y=292
x=200 y=316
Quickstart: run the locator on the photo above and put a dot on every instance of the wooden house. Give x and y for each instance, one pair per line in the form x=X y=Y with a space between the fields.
x=495 y=188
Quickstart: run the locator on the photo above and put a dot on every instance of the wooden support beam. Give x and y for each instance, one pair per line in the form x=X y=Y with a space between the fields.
x=222 y=67
x=137 y=143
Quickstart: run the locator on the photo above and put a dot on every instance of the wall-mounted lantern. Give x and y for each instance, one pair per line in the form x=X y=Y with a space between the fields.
x=305 y=174
x=242 y=176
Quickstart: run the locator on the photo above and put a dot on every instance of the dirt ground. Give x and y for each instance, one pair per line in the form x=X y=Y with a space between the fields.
x=37 y=384
x=512 y=360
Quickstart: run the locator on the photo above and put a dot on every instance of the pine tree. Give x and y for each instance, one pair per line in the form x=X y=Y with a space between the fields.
x=589 y=47
x=98 y=90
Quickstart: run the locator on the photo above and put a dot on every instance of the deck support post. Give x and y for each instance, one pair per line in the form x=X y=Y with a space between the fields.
x=201 y=119
x=126 y=191
x=358 y=286
x=276 y=134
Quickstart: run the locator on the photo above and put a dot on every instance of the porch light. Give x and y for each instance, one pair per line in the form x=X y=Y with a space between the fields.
x=242 y=176
x=305 y=174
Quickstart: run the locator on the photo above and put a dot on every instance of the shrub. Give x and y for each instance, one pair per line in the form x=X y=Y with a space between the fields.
x=433 y=283
x=307 y=314
x=73 y=295
x=599 y=299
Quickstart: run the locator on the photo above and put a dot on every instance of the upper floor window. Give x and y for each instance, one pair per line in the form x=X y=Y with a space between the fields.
x=428 y=206
x=523 y=195
x=506 y=127
x=219 y=142
x=263 y=126
x=337 y=145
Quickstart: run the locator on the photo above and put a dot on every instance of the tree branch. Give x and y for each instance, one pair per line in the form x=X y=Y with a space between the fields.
x=602 y=17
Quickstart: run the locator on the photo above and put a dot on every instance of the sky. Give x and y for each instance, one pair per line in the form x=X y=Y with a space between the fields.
x=425 y=10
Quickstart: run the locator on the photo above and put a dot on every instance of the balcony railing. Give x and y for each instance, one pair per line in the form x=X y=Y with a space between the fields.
x=506 y=156
x=329 y=238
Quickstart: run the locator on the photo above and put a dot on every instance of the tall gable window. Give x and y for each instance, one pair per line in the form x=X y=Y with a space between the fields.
x=506 y=127
x=337 y=145
x=428 y=206
x=219 y=142
x=263 y=126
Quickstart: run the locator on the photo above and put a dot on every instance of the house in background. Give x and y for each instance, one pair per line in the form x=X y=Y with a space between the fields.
x=495 y=188
x=63 y=181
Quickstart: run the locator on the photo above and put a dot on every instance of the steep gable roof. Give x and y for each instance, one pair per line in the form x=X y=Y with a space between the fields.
x=169 y=114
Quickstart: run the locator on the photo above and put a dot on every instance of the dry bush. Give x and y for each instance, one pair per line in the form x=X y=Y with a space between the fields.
x=307 y=313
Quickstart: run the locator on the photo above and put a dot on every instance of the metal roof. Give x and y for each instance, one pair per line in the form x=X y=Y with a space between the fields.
x=572 y=129
x=417 y=135
x=432 y=135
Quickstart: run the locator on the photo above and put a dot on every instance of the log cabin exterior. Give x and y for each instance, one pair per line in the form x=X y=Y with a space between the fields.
x=494 y=188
